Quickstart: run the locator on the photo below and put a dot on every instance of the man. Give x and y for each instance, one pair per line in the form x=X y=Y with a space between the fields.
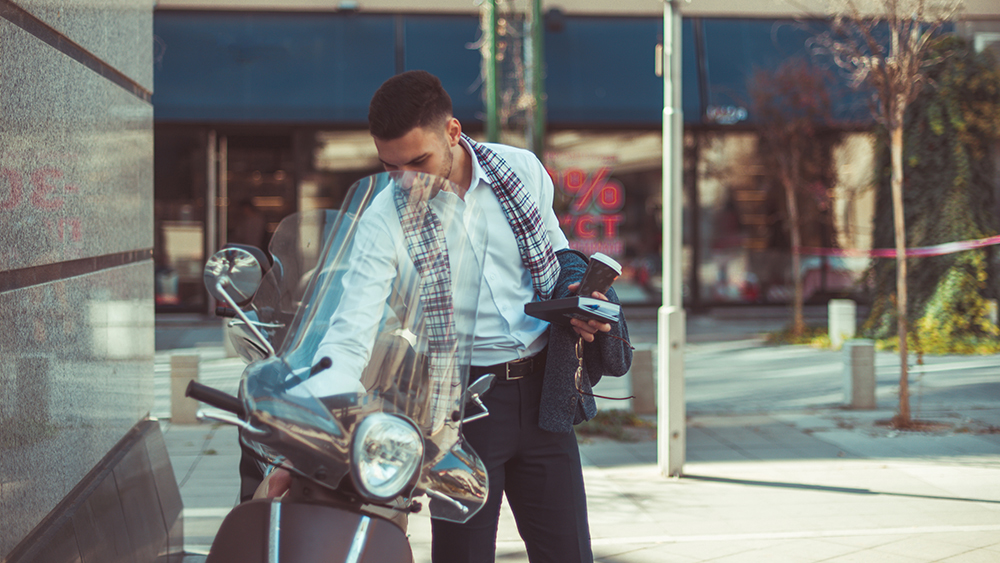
x=410 y=118
x=526 y=443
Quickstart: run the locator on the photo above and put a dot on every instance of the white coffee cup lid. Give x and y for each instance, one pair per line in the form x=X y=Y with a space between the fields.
x=609 y=261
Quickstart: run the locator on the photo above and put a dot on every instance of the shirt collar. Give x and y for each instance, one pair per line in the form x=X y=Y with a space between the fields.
x=478 y=174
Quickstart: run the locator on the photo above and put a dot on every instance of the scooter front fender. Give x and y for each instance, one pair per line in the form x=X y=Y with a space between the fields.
x=270 y=531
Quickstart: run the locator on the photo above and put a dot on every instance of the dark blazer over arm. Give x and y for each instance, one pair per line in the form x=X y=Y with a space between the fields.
x=562 y=405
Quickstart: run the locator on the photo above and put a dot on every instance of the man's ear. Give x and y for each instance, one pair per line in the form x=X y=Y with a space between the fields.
x=453 y=130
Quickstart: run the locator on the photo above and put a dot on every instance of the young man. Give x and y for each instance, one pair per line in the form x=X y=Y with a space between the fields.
x=526 y=443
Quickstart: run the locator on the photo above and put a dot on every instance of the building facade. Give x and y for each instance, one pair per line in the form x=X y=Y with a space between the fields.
x=76 y=290
x=260 y=111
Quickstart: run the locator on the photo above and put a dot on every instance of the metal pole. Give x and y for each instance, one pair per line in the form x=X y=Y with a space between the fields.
x=671 y=438
x=211 y=211
x=538 y=79
x=492 y=88
x=223 y=203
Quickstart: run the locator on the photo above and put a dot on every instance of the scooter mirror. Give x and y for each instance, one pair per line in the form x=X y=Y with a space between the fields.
x=234 y=270
x=473 y=394
x=480 y=386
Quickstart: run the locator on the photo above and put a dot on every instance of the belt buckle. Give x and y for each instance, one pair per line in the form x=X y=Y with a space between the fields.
x=508 y=376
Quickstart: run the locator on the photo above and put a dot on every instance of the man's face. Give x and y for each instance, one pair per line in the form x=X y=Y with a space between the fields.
x=426 y=150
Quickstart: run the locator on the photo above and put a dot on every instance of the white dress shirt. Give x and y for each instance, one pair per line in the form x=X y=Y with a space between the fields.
x=475 y=229
x=503 y=331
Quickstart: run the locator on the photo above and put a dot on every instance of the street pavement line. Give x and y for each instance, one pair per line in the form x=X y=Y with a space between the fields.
x=928 y=368
x=805 y=534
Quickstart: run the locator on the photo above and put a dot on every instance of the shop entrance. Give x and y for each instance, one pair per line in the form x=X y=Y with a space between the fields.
x=213 y=187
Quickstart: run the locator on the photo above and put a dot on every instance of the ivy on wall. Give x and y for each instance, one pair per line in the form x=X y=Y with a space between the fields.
x=950 y=195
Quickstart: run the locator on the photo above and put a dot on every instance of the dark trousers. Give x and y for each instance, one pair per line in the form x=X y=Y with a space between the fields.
x=541 y=475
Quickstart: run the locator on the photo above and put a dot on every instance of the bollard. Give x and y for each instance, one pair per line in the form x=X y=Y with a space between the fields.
x=859 y=374
x=643 y=383
x=991 y=310
x=183 y=368
x=841 y=321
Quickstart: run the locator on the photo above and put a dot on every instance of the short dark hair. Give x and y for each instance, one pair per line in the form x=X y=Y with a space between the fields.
x=412 y=99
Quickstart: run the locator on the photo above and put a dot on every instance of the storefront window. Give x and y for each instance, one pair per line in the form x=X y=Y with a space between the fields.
x=608 y=199
x=744 y=239
x=178 y=244
x=339 y=158
x=608 y=188
x=260 y=186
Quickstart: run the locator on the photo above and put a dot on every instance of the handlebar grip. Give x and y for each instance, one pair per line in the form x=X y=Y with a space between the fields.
x=225 y=312
x=324 y=363
x=215 y=398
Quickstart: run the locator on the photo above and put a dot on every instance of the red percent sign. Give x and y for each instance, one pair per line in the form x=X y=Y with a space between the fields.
x=595 y=190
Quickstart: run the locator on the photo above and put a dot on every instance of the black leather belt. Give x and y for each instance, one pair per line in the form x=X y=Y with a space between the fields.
x=514 y=370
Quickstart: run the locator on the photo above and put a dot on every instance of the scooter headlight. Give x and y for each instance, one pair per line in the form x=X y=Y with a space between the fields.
x=386 y=453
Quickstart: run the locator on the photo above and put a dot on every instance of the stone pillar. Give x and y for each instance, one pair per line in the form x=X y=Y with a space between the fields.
x=859 y=374
x=32 y=395
x=183 y=368
x=76 y=254
x=842 y=321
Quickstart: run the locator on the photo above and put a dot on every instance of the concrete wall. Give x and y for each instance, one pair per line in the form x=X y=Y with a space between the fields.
x=76 y=270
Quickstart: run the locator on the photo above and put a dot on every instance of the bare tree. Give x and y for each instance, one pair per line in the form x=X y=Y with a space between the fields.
x=884 y=44
x=792 y=105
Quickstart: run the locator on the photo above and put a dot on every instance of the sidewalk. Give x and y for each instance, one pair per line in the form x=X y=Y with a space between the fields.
x=776 y=470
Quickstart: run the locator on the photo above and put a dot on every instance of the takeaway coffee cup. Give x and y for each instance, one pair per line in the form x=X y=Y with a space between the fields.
x=602 y=271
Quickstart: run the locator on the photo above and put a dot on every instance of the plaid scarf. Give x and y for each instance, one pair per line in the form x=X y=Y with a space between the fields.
x=524 y=218
x=426 y=247
x=425 y=243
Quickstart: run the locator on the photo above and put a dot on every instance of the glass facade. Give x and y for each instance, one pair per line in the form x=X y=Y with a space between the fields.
x=298 y=143
x=608 y=199
x=743 y=245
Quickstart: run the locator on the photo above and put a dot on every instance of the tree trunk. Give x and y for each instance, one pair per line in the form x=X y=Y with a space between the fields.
x=896 y=150
x=791 y=185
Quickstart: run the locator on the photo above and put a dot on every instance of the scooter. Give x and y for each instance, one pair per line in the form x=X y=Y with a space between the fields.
x=350 y=386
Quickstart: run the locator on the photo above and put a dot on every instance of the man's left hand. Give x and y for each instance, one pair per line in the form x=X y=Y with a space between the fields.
x=587 y=329
x=275 y=485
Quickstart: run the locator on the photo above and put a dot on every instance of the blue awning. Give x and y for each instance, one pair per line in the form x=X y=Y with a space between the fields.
x=322 y=68
x=257 y=67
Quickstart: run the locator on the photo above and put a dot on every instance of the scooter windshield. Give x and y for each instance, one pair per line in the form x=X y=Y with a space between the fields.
x=374 y=342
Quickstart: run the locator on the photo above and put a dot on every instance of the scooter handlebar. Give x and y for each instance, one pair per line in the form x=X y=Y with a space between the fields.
x=215 y=398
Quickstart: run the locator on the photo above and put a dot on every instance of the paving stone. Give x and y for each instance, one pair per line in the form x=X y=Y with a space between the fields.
x=784 y=483
x=973 y=556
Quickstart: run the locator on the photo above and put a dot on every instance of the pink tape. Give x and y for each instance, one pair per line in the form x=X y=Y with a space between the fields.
x=936 y=250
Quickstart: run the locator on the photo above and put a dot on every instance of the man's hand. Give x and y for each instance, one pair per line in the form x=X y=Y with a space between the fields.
x=422 y=187
x=275 y=484
x=587 y=329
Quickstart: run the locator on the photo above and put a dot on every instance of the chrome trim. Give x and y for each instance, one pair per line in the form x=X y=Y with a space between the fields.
x=475 y=417
x=479 y=403
x=445 y=498
x=239 y=322
x=243 y=317
x=475 y=391
x=360 y=538
x=227 y=418
x=274 y=533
